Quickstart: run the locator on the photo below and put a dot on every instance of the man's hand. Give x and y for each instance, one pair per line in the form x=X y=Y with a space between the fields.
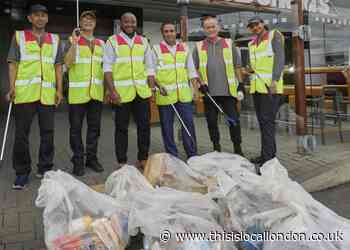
x=106 y=97
x=195 y=94
x=10 y=97
x=240 y=96
x=58 y=98
x=273 y=87
x=204 y=88
x=75 y=36
x=163 y=91
x=115 y=97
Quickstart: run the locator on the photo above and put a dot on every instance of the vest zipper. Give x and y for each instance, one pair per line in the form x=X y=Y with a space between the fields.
x=177 y=85
x=91 y=69
x=132 y=68
x=41 y=69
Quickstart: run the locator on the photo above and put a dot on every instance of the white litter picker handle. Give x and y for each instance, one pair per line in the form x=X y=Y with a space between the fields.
x=213 y=101
x=77 y=13
x=182 y=122
x=5 y=133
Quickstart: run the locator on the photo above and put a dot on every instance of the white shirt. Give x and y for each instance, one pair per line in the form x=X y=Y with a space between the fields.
x=110 y=56
x=191 y=69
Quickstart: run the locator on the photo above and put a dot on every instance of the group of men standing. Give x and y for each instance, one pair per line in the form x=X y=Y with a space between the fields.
x=126 y=71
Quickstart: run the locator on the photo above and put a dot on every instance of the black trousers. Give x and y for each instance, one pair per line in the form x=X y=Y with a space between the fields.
x=77 y=112
x=228 y=104
x=24 y=115
x=140 y=110
x=266 y=107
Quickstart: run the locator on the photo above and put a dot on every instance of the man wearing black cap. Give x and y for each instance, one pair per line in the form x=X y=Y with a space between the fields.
x=83 y=57
x=267 y=57
x=35 y=73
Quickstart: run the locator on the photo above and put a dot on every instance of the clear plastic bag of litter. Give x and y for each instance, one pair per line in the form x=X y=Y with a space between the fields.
x=70 y=206
x=166 y=170
x=125 y=181
x=155 y=211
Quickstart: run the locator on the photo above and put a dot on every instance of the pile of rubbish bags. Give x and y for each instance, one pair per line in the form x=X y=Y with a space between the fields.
x=214 y=194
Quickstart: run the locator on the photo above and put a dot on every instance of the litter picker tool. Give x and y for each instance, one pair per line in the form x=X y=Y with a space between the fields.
x=5 y=133
x=77 y=32
x=182 y=122
x=229 y=120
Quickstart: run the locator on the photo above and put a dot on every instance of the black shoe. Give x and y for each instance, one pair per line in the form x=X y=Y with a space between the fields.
x=217 y=147
x=95 y=165
x=257 y=160
x=238 y=150
x=79 y=170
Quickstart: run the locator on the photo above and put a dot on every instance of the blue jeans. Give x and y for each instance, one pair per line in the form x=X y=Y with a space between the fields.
x=167 y=115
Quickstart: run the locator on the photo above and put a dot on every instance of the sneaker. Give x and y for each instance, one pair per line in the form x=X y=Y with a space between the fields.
x=39 y=175
x=20 y=182
x=95 y=166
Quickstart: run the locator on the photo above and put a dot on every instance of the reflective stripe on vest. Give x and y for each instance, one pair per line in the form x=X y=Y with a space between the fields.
x=36 y=75
x=172 y=74
x=202 y=48
x=86 y=73
x=262 y=61
x=129 y=71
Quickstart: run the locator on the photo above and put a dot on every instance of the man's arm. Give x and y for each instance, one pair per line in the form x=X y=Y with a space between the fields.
x=150 y=66
x=237 y=63
x=109 y=58
x=70 y=54
x=13 y=60
x=13 y=67
x=71 y=49
x=59 y=88
x=279 y=56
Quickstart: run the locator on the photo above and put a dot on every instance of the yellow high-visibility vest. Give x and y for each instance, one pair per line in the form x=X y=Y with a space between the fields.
x=262 y=61
x=202 y=48
x=172 y=74
x=129 y=71
x=36 y=75
x=86 y=74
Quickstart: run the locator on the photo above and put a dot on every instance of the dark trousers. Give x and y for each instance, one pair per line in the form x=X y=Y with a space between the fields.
x=140 y=110
x=24 y=115
x=167 y=114
x=77 y=112
x=266 y=107
x=228 y=104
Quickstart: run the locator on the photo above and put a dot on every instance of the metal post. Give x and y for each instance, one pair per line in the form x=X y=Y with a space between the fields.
x=183 y=4
x=299 y=62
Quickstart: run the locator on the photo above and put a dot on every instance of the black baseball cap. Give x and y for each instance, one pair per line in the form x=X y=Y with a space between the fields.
x=255 y=19
x=36 y=8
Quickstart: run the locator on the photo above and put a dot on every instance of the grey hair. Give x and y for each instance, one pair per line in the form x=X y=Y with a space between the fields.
x=128 y=14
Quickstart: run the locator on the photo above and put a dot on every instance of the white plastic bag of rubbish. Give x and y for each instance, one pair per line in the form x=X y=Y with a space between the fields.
x=157 y=211
x=312 y=215
x=210 y=163
x=188 y=232
x=125 y=181
x=65 y=199
x=166 y=170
